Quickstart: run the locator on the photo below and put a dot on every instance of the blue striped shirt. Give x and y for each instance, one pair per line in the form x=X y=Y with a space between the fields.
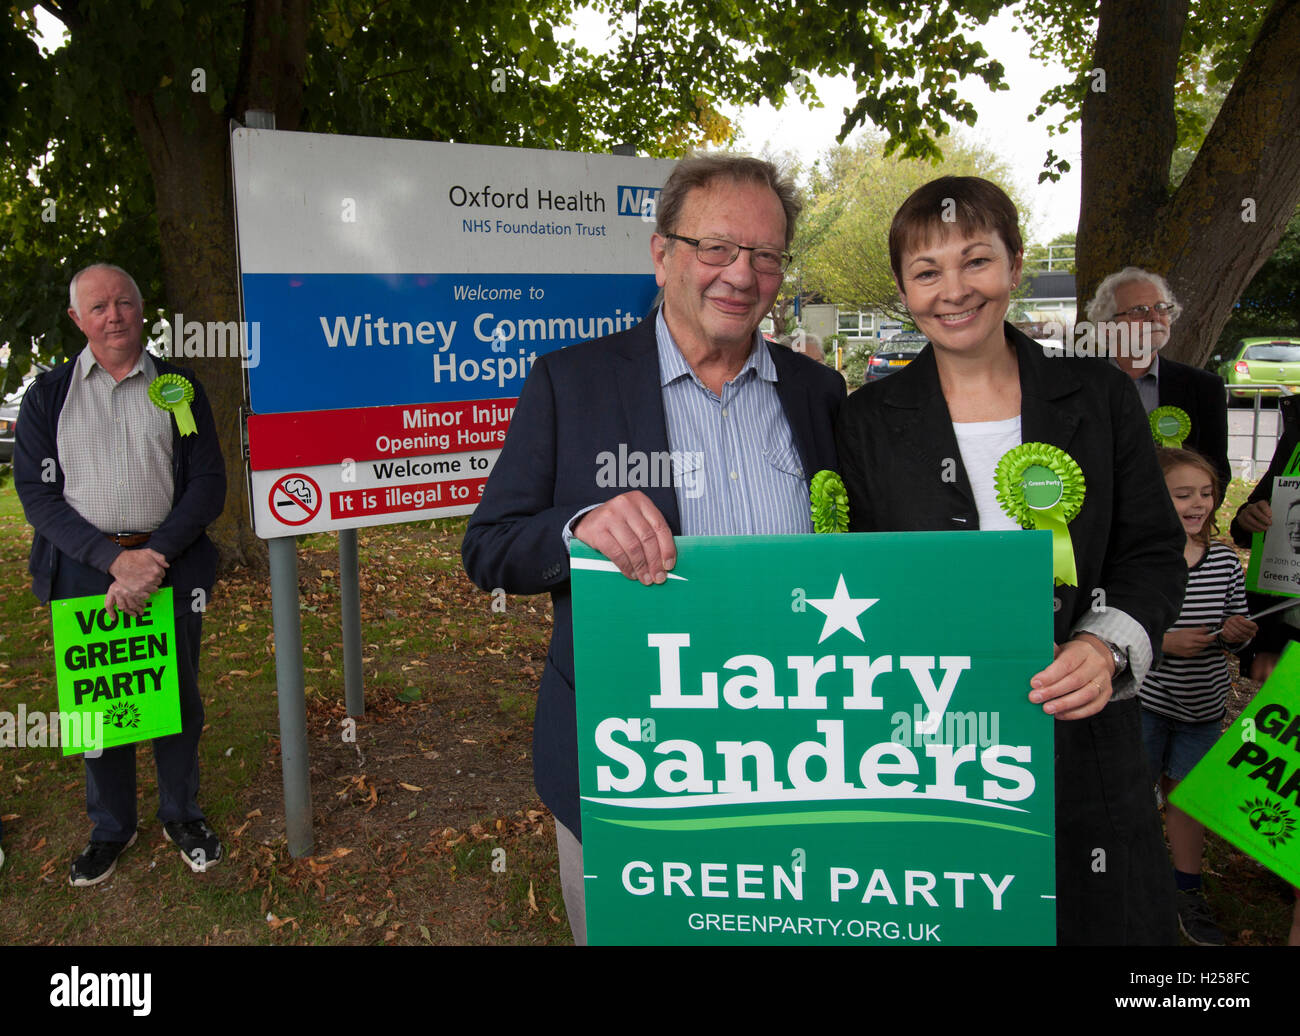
x=738 y=470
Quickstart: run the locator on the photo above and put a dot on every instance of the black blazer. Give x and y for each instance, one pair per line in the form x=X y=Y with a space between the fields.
x=577 y=403
x=895 y=438
x=1202 y=396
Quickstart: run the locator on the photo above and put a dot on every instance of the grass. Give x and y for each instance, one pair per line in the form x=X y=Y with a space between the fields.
x=427 y=828
x=390 y=866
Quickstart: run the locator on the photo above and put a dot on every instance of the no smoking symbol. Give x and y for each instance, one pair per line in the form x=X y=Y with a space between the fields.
x=295 y=499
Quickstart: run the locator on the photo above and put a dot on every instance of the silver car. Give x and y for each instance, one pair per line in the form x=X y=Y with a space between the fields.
x=9 y=413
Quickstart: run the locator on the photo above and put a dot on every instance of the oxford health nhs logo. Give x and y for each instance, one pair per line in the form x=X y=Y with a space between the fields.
x=642 y=202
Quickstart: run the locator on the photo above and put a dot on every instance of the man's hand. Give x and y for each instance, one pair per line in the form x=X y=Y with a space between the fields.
x=630 y=531
x=1256 y=517
x=139 y=571
x=1076 y=685
x=1187 y=643
x=119 y=596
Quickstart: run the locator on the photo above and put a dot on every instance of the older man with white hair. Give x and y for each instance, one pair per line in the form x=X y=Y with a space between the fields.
x=119 y=491
x=1143 y=304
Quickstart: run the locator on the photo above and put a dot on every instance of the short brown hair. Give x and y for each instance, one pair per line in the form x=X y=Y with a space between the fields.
x=1171 y=458
x=968 y=203
x=702 y=170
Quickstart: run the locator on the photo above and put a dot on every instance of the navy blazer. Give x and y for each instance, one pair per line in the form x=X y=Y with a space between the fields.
x=896 y=439
x=577 y=403
x=199 y=493
x=1201 y=395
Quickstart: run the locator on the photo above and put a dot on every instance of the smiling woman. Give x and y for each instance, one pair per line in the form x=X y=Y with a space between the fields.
x=919 y=451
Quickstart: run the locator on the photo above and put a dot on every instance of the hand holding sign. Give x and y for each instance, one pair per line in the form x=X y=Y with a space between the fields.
x=120 y=597
x=1256 y=517
x=1077 y=684
x=1238 y=629
x=139 y=571
x=630 y=531
x=1188 y=643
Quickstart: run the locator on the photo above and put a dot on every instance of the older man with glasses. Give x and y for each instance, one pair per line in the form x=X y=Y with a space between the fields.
x=745 y=425
x=1140 y=303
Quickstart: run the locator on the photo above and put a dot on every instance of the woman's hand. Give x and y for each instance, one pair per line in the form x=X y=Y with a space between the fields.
x=1077 y=684
x=1187 y=643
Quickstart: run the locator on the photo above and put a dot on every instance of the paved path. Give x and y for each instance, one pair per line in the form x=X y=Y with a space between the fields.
x=1240 y=426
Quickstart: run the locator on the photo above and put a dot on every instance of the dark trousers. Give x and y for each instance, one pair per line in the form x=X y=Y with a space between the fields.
x=1113 y=880
x=110 y=779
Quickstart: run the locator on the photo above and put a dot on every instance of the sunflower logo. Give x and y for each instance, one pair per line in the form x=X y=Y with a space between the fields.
x=1271 y=819
x=122 y=714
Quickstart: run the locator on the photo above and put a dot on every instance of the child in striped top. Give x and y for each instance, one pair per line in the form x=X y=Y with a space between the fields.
x=1184 y=698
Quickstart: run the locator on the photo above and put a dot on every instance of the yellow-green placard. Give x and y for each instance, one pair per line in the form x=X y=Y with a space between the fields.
x=116 y=675
x=1247 y=788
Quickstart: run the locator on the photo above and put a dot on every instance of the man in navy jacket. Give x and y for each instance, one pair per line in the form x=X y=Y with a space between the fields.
x=693 y=380
x=118 y=500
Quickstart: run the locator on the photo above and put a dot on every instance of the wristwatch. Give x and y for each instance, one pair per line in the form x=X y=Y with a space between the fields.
x=1120 y=658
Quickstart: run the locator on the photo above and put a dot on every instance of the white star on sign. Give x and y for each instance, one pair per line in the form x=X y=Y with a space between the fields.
x=841 y=611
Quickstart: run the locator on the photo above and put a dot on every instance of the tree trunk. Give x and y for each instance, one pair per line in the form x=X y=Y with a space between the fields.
x=1213 y=233
x=188 y=149
x=1233 y=206
x=1128 y=135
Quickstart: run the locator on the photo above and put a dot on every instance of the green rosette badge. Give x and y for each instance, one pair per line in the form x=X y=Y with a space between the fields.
x=174 y=394
x=1170 y=426
x=829 y=503
x=1041 y=487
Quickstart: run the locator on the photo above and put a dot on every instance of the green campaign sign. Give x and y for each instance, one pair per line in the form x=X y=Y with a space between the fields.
x=818 y=740
x=116 y=676
x=1247 y=788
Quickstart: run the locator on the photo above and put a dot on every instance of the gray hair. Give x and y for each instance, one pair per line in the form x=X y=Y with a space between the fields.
x=72 y=288
x=703 y=170
x=1102 y=306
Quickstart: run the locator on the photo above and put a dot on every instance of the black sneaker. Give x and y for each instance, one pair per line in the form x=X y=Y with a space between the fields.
x=97 y=861
x=199 y=845
x=1196 y=921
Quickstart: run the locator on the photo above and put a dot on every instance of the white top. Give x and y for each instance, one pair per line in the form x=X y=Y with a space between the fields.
x=982 y=444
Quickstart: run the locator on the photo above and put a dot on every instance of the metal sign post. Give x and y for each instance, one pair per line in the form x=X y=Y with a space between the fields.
x=401 y=292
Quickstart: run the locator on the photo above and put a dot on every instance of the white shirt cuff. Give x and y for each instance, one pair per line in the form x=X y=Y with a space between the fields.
x=566 y=533
x=1127 y=634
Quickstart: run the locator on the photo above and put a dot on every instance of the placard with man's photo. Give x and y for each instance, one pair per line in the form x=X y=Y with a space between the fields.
x=1275 y=553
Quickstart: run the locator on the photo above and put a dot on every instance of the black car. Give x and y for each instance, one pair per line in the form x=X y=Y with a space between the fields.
x=894 y=354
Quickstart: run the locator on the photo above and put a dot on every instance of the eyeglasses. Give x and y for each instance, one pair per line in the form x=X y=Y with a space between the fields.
x=714 y=251
x=1161 y=309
